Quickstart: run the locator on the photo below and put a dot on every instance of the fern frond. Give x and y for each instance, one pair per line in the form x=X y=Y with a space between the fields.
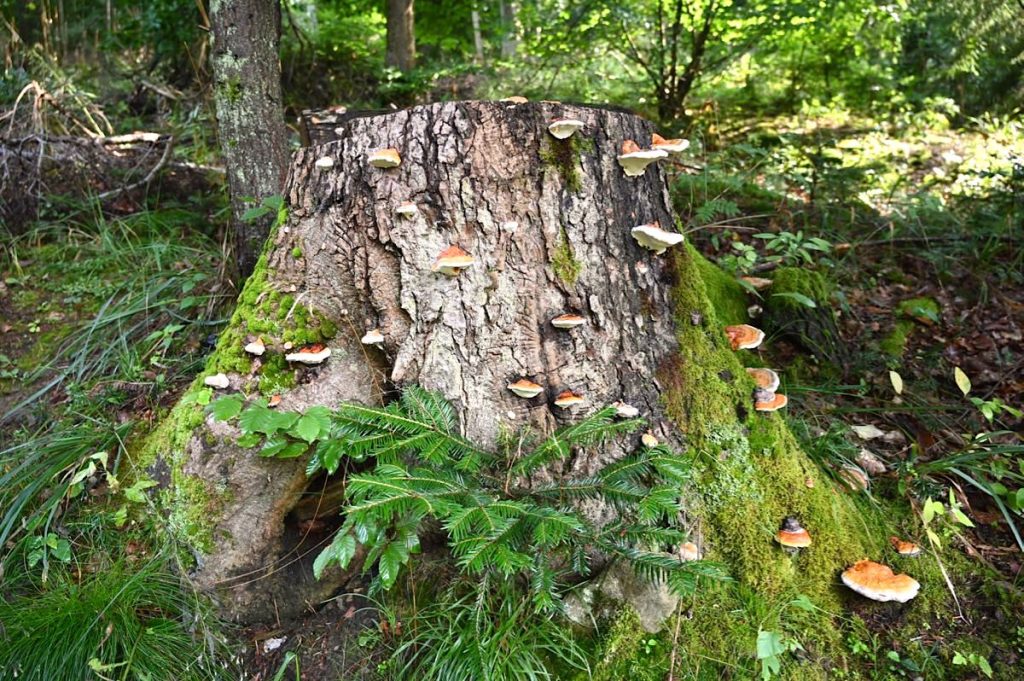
x=594 y=429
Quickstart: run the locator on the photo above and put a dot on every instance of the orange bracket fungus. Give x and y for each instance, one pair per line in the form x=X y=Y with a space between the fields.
x=525 y=388
x=256 y=347
x=689 y=551
x=877 y=582
x=568 y=398
x=671 y=146
x=372 y=337
x=655 y=238
x=757 y=283
x=905 y=548
x=769 y=401
x=792 y=535
x=385 y=158
x=407 y=209
x=635 y=160
x=453 y=260
x=744 y=336
x=218 y=381
x=311 y=354
x=766 y=379
x=563 y=128
x=568 y=321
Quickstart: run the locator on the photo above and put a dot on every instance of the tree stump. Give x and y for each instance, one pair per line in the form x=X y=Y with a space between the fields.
x=547 y=223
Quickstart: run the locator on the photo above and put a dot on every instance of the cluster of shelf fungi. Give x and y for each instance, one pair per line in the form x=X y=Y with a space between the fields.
x=870 y=579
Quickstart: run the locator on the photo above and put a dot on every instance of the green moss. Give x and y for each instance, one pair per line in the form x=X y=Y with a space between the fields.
x=705 y=384
x=564 y=157
x=895 y=344
x=277 y=318
x=296 y=252
x=807 y=283
x=564 y=263
x=626 y=651
x=924 y=310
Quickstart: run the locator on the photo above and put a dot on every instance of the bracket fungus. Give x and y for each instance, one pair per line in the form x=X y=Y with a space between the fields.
x=525 y=388
x=655 y=238
x=649 y=440
x=792 y=535
x=515 y=99
x=765 y=379
x=324 y=162
x=407 y=209
x=625 y=411
x=311 y=354
x=274 y=400
x=673 y=146
x=770 y=402
x=568 y=398
x=634 y=160
x=372 y=337
x=744 y=336
x=452 y=260
x=689 y=551
x=855 y=478
x=218 y=381
x=905 y=548
x=568 y=321
x=563 y=128
x=255 y=347
x=757 y=283
x=385 y=158
x=879 y=583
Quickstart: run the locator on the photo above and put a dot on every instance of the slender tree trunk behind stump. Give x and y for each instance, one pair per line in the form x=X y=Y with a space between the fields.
x=250 y=113
x=548 y=223
x=401 y=50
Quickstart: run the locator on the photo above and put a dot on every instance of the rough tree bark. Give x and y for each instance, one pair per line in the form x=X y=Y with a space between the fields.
x=401 y=50
x=250 y=119
x=548 y=223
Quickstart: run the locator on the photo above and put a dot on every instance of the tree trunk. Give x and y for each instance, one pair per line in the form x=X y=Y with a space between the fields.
x=509 y=11
x=401 y=52
x=247 y=95
x=478 y=38
x=548 y=223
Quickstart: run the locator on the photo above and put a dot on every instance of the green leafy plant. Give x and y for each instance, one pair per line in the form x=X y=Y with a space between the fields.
x=424 y=472
x=771 y=646
x=792 y=248
x=979 y=662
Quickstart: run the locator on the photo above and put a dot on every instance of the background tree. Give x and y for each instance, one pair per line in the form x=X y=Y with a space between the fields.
x=401 y=52
x=250 y=118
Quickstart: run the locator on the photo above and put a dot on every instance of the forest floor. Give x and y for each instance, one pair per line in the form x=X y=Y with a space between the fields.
x=918 y=228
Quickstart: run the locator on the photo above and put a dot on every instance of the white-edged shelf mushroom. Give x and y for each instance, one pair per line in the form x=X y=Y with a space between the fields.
x=634 y=160
x=256 y=347
x=311 y=354
x=385 y=158
x=879 y=583
x=324 y=163
x=673 y=146
x=525 y=388
x=407 y=209
x=744 y=336
x=568 y=321
x=372 y=337
x=218 y=381
x=770 y=402
x=689 y=551
x=905 y=548
x=765 y=379
x=568 y=398
x=453 y=260
x=654 y=238
x=792 y=535
x=563 y=128
x=625 y=411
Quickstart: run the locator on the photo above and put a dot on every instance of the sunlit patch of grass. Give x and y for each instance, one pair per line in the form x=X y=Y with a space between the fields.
x=119 y=623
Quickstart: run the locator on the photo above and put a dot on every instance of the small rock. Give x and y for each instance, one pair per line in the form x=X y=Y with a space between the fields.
x=867 y=432
x=272 y=644
x=219 y=381
x=696 y=318
x=870 y=462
